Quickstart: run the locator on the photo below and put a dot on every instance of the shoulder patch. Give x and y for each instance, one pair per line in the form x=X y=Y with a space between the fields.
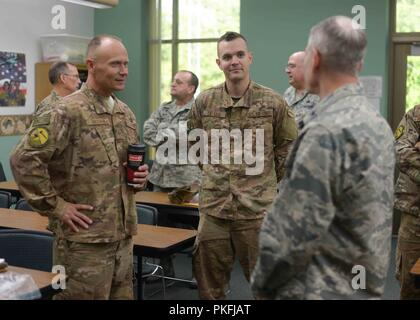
x=399 y=132
x=38 y=137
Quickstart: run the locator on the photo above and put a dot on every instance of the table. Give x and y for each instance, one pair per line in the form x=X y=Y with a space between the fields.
x=8 y=186
x=11 y=187
x=416 y=272
x=42 y=279
x=160 y=198
x=185 y=212
x=150 y=241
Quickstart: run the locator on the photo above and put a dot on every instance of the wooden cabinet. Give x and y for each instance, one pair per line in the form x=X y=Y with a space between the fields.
x=42 y=84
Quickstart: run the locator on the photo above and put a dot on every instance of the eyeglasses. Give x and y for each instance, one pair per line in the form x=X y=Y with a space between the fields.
x=290 y=67
x=76 y=76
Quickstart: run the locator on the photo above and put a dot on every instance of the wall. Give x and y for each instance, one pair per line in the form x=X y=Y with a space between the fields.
x=22 y=22
x=129 y=21
x=275 y=29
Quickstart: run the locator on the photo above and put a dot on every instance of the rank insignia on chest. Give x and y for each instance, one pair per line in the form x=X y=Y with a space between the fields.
x=38 y=137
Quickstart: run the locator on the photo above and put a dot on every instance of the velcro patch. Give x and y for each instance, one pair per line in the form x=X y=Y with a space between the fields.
x=38 y=137
x=42 y=120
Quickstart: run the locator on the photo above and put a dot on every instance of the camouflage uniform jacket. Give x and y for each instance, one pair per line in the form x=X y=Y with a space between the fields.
x=407 y=189
x=178 y=175
x=300 y=105
x=46 y=104
x=74 y=154
x=227 y=192
x=334 y=208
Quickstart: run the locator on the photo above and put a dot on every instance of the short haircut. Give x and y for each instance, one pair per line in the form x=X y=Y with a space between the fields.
x=230 y=36
x=56 y=70
x=96 y=42
x=341 y=44
x=194 y=79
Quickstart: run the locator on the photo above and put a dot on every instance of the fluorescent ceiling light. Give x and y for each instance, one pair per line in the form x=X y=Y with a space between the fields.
x=98 y=4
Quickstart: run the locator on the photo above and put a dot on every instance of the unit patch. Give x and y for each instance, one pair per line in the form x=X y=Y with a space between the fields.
x=38 y=137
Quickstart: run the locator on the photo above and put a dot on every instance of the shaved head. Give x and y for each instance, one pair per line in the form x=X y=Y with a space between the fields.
x=100 y=41
x=298 y=56
x=107 y=64
x=294 y=70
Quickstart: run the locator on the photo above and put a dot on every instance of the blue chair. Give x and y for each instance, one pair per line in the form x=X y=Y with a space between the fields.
x=149 y=215
x=5 y=199
x=2 y=175
x=27 y=249
x=22 y=204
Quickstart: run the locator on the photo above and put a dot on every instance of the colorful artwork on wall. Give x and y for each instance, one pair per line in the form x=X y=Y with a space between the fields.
x=13 y=79
x=13 y=92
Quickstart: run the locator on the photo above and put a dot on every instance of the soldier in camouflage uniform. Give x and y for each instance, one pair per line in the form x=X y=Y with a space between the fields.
x=166 y=177
x=70 y=167
x=407 y=195
x=330 y=224
x=296 y=96
x=64 y=79
x=232 y=203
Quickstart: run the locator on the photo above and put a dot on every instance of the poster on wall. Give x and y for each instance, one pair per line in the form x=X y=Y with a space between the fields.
x=13 y=83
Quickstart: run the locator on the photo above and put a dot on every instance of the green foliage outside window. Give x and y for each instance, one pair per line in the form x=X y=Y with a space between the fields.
x=408 y=20
x=413 y=82
x=197 y=20
x=408 y=15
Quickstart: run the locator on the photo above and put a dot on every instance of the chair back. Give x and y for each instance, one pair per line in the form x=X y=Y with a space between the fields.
x=27 y=249
x=22 y=204
x=147 y=214
x=2 y=175
x=5 y=199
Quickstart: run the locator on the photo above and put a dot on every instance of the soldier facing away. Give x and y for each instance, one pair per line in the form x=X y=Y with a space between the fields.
x=232 y=202
x=70 y=166
x=333 y=213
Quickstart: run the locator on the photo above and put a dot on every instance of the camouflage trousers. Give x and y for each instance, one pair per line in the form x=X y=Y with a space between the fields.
x=218 y=242
x=96 y=271
x=408 y=252
x=59 y=251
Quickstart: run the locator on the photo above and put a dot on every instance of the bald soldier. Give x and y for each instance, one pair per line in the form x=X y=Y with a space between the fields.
x=70 y=166
x=169 y=176
x=233 y=198
x=328 y=233
x=296 y=96
x=64 y=78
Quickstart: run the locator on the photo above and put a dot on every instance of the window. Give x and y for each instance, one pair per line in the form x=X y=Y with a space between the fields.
x=184 y=37
x=408 y=16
